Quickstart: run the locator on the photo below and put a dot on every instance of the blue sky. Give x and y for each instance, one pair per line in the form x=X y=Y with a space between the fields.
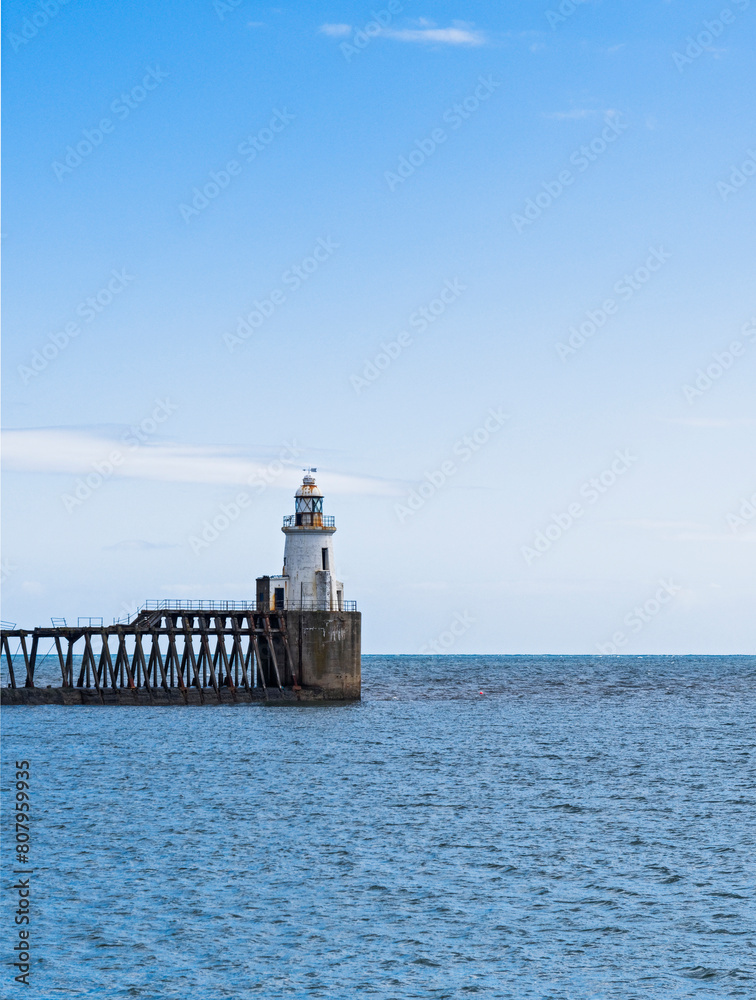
x=480 y=247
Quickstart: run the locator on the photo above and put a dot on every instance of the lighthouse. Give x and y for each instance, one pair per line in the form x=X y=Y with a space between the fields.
x=308 y=581
x=321 y=649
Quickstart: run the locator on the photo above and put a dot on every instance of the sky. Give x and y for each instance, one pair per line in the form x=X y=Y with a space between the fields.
x=488 y=267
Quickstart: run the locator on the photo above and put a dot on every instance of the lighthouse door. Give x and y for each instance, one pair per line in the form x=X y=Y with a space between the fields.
x=279 y=598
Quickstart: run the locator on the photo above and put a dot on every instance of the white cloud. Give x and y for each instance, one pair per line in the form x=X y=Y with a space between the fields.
x=458 y=35
x=77 y=452
x=336 y=30
x=426 y=32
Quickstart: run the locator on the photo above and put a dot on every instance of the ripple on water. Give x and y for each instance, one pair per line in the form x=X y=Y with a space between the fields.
x=582 y=829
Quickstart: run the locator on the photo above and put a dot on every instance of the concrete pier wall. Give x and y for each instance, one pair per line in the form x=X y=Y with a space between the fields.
x=326 y=650
x=158 y=696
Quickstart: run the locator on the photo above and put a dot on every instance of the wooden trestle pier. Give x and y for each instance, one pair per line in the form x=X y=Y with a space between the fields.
x=161 y=656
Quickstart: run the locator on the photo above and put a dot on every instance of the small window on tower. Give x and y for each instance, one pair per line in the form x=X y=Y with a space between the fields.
x=324 y=553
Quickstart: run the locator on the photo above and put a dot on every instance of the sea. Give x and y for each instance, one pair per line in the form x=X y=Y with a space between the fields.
x=546 y=827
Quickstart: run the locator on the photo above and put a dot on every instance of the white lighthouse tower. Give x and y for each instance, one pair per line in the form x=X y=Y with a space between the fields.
x=308 y=581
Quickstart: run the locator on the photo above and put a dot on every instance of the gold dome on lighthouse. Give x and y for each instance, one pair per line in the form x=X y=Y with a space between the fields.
x=309 y=487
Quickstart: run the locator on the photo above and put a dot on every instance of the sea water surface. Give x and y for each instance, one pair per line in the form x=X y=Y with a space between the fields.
x=492 y=827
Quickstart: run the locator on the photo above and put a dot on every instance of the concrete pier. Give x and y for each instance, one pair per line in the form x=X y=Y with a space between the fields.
x=175 y=653
x=326 y=647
